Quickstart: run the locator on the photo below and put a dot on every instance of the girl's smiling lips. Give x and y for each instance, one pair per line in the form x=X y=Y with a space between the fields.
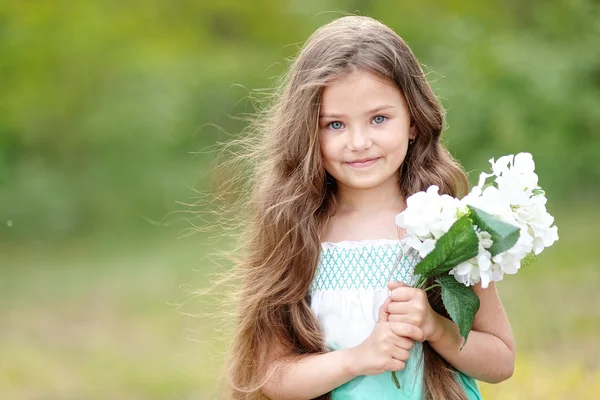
x=365 y=162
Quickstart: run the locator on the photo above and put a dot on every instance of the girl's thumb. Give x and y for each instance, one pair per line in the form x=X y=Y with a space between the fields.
x=395 y=285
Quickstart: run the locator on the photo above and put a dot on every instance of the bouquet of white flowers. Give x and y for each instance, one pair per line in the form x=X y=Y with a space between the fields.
x=499 y=226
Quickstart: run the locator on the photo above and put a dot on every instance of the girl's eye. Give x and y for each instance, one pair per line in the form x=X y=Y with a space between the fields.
x=379 y=119
x=336 y=125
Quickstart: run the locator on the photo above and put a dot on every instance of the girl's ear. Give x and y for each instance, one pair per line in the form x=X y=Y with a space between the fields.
x=412 y=133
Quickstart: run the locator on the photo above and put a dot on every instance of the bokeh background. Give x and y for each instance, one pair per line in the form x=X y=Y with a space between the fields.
x=106 y=111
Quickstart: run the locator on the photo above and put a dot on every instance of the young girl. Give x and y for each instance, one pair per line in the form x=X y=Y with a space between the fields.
x=325 y=308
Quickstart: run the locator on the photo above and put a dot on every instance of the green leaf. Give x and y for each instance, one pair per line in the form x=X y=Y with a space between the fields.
x=461 y=302
x=504 y=236
x=457 y=245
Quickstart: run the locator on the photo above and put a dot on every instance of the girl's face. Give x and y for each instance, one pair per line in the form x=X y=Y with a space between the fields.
x=364 y=126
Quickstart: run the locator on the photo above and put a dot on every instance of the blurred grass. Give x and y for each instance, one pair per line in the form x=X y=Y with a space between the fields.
x=96 y=319
x=100 y=321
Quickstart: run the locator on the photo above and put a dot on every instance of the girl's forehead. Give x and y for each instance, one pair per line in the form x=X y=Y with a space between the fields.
x=359 y=91
x=359 y=77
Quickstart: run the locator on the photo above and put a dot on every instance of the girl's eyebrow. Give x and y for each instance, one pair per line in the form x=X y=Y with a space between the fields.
x=373 y=111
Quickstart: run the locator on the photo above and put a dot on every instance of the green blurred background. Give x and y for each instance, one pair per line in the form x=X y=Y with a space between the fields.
x=103 y=105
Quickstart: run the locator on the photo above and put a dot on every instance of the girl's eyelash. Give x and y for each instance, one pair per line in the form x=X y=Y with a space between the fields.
x=333 y=122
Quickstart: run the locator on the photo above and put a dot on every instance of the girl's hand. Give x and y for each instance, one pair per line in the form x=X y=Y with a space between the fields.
x=410 y=305
x=387 y=347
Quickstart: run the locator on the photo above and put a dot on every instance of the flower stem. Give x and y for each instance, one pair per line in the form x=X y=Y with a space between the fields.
x=421 y=283
x=395 y=380
x=432 y=286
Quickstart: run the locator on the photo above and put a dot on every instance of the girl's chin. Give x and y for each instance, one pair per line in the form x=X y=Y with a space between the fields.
x=367 y=183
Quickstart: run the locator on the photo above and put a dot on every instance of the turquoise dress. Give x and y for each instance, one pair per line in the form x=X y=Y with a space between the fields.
x=349 y=287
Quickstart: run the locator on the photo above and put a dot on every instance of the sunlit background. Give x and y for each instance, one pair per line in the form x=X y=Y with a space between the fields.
x=104 y=103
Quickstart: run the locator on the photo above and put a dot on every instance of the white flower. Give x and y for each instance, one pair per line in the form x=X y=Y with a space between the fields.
x=451 y=211
x=492 y=201
x=501 y=166
x=545 y=239
x=466 y=273
x=425 y=247
x=513 y=197
x=428 y=215
x=485 y=240
x=512 y=172
x=524 y=164
x=421 y=211
x=478 y=268
x=517 y=184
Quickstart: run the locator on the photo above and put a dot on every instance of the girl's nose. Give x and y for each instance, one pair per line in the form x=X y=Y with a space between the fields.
x=358 y=139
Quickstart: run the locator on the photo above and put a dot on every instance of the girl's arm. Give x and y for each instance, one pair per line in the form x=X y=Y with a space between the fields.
x=310 y=376
x=488 y=355
x=386 y=349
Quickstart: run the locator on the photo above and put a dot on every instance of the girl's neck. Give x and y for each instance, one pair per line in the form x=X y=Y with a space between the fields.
x=385 y=197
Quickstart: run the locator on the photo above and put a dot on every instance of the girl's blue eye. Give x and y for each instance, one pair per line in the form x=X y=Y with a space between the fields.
x=379 y=119
x=336 y=125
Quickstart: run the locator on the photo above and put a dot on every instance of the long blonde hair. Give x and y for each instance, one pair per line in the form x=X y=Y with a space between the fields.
x=289 y=197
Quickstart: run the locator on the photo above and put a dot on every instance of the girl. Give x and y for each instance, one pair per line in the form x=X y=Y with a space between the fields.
x=354 y=131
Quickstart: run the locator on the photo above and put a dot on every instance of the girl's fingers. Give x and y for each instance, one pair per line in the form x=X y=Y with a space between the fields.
x=404 y=343
x=401 y=354
x=395 y=284
x=407 y=330
x=395 y=365
x=399 y=307
x=403 y=293
x=398 y=318
x=383 y=311
x=412 y=319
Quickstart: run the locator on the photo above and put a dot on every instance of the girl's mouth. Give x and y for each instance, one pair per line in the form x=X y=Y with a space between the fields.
x=366 y=162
